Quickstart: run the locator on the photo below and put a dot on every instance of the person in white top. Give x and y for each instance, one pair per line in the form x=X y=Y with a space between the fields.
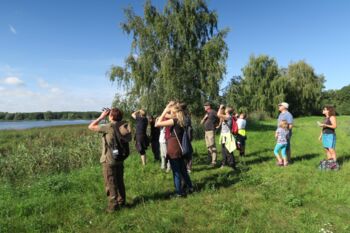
x=165 y=164
x=241 y=136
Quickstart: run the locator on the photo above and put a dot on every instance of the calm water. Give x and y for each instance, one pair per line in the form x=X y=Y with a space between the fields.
x=36 y=124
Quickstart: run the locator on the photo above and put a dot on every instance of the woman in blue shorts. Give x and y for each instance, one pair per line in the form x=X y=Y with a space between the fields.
x=328 y=132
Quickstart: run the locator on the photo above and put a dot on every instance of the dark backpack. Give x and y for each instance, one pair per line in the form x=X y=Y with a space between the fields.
x=187 y=149
x=329 y=165
x=120 y=147
x=188 y=127
x=185 y=144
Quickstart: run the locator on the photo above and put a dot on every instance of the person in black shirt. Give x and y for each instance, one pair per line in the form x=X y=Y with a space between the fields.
x=141 y=136
x=155 y=132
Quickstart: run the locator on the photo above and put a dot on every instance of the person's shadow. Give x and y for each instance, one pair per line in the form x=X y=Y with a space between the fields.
x=342 y=159
x=304 y=157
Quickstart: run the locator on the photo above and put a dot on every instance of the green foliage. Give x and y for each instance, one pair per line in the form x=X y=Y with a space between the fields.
x=340 y=99
x=175 y=54
x=258 y=75
x=264 y=85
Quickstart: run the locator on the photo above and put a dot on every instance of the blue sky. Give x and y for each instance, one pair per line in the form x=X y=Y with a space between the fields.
x=54 y=55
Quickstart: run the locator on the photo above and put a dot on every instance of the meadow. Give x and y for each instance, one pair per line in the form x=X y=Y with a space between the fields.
x=51 y=181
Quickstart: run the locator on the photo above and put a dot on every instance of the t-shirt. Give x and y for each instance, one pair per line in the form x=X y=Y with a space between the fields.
x=226 y=126
x=162 y=135
x=176 y=128
x=155 y=131
x=241 y=123
x=210 y=122
x=141 y=125
x=287 y=116
x=282 y=136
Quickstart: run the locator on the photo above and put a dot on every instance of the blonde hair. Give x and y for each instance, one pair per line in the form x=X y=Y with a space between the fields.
x=142 y=113
x=179 y=115
x=283 y=124
x=229 y=110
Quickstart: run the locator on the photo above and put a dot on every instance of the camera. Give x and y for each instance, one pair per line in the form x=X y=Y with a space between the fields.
x=106 y=109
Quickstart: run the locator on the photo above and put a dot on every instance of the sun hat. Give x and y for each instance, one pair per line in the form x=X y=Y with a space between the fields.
x=284 y=104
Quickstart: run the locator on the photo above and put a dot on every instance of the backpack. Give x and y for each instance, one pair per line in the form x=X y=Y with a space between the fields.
x=188 y=127
x=120 y=147
x=185 y=144
x=234 y=127
x=187 y=149
x=328 y=165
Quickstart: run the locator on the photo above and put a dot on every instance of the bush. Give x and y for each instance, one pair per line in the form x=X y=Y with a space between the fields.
x=259 y=116
x=198 y=129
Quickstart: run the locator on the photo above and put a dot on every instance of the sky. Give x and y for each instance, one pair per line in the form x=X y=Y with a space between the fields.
x=54 y=55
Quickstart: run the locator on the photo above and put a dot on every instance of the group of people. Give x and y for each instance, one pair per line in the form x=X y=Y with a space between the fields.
x=283 y=134
x=168 y=130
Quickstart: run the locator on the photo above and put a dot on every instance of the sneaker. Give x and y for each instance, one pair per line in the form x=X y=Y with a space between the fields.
x=189 y=171
x=213 y=164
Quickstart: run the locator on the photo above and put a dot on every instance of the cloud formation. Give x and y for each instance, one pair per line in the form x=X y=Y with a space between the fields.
x=13 y=81
x=12 y=29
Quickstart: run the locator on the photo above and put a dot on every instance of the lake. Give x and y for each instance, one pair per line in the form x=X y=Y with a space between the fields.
x=5 y=125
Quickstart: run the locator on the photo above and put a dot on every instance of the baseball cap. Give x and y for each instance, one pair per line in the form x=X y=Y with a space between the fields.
x=284 y=104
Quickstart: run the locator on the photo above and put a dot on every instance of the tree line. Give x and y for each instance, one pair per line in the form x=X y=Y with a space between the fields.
x=6 y=116
x=180 y=53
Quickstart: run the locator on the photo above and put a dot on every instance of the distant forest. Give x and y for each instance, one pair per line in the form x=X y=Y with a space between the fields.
x=18 y=116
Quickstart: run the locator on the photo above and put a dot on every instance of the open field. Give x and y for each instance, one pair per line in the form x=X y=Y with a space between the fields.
x=51 y=182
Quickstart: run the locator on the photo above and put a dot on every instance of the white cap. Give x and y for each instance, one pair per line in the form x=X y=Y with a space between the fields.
x=284 y=104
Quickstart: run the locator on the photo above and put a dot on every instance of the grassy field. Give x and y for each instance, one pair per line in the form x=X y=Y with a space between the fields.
x=51 y=182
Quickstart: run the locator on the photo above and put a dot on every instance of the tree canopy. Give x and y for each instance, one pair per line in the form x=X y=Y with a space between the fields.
x=264 y=85
x=176 y=54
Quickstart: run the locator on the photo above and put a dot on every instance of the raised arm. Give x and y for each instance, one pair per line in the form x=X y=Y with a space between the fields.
x=220 y=115
x=94 y=125
x=165 y=113
x=134 y=114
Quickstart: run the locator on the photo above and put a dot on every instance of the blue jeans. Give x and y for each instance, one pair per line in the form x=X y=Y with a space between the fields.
x=179 y=171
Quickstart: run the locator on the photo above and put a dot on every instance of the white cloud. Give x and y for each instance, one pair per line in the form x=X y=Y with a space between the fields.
x=2 y=88
x=13 y=81
x=12 y=29
x=43 y=84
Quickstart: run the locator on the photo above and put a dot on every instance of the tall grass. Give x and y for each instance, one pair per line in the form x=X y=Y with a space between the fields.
x=50 y=150
x=260 y=198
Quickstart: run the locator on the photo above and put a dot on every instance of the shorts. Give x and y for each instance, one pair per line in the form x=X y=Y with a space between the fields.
x=210 y=138
x=328 y=141
x=141 y=143
x=282 y=147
